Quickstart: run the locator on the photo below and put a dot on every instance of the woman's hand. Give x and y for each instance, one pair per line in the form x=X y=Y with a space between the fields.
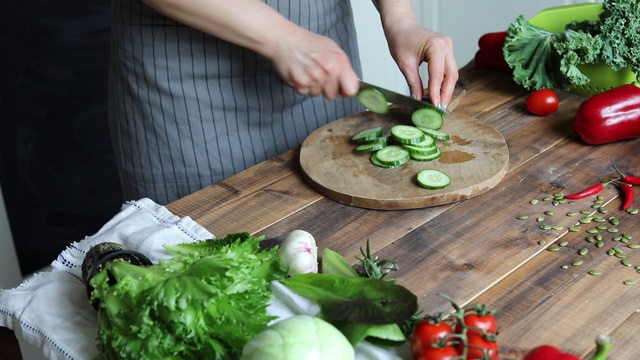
x=411 y=44
x=314 y=65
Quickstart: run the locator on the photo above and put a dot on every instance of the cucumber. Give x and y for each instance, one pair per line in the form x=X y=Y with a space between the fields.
x=406 y=134
x=393 y=155
x=427 y=118
x=428 y=142
x=374 y=160
x=436 y=134
x=421 y=150
x=367 y=135
x=373 y=100
x=426 y=157
x=433 y=179
x=371 y=147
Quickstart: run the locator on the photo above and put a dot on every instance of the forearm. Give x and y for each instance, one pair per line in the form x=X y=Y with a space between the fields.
x=396 y=12
x=251 y=24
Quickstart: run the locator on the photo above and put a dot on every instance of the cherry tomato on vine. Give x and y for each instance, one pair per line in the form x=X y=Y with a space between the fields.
x=480 y=348
x=447 y=352
x=478 y=319
x=427 y=335
x=542 y=102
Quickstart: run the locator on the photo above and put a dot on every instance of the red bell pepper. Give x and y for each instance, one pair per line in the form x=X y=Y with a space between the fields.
x=609 y=116
x=490 y=55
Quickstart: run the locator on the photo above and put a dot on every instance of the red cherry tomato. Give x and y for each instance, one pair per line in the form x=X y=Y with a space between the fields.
x=447 y=352
x=480 y=348
x=476 y=322
x=427 y=334
x=542 y=102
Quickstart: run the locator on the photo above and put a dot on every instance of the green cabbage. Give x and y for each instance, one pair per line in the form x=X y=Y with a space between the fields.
x=205 y=303
x=299 y=337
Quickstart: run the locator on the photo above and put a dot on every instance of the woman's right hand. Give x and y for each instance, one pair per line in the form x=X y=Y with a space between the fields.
x=314 y=65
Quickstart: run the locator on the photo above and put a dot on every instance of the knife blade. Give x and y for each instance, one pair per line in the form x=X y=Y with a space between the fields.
x=399 y=99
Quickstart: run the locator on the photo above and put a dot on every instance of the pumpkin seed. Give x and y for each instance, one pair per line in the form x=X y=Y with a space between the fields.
x=540 y=219
x=599 y=219
x=545 y=227
x=558 y=195
x=574 y=228
x=618 y=250
x=595 y=206
x=590 y=239
x=598 y=237
x=565 y=266
x=585 y=212
x=533 y=202
x=557 y=227
x=583 y=251
x=595 y=272
x=564 y=243
x=548 y=212
x=600 y=197
x=547 y=198
x=600 y=244
x=619 y=255
x=577 y=263
x=603 y=210
x=553 y=248
x=586 y=220
x=617 y=238
x=572 y=213
x=614 y=221
x=601 y=227
x=592 y=231
x=630 y=282
x=541 y=242
x=625 y=262
x=632 y=211
x=522 y=217
x=611 y=252
x=612 y=230
x=633 y=246
x=556 y=203
x=626 y=236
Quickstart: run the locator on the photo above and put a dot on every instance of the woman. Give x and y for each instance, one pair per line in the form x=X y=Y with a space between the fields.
x=202 y=89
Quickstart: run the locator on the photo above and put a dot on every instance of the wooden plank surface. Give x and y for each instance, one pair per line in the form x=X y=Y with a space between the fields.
x=475 y=250
x=475 y=158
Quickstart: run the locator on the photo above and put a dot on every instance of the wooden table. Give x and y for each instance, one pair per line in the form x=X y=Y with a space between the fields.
x=475 y=250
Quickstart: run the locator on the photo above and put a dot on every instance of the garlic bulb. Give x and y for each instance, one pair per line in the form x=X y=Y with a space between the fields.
x=299 y=253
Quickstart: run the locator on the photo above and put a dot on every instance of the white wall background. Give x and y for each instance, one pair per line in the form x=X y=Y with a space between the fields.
x=462 y=20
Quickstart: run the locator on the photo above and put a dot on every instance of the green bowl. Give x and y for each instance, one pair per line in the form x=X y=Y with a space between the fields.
x=601 y=76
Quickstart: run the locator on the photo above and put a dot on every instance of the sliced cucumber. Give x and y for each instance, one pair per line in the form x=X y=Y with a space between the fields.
x=376 y=162
x=371 y=147
x=428 y=142
x=373 y=100
x=421 y=150
x=427 y=118
x=426 y=157
x=376 y=140
x=367 y=135
x=393 y=155
x=436 y=134
x=406 y=134
x=433 y=179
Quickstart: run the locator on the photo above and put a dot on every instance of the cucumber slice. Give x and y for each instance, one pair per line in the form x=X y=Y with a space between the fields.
x=393 y=155
x=376 y=140
x=426 y=157
x=428 y=142
x=376 y=162
x=368 y=134
x=406 y=134
x=433 y=179
x=416 y=150
x=436 y=134
x=370 y=147
x=427 y=118
x=373 y=100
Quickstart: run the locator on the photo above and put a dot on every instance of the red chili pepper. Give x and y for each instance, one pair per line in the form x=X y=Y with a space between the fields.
x=629 y=194
x=592 y=190
x=548 y=352
x=630 y=179
x=609 y=116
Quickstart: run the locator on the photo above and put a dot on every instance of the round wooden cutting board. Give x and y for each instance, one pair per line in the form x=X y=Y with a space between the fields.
x=476 y=158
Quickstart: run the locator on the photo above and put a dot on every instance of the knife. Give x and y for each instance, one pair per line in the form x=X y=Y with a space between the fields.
x=401 y=100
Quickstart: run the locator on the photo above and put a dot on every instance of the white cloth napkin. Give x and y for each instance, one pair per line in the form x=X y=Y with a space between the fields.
x=51 y=315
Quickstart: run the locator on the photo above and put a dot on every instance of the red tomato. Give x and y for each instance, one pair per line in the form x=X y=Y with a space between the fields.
x=542 y=102
x=447 y=352
x=479 y=348
x=478 y=322
x=427 y=333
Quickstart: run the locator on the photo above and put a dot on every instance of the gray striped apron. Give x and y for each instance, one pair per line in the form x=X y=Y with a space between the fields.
x=187 y=110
